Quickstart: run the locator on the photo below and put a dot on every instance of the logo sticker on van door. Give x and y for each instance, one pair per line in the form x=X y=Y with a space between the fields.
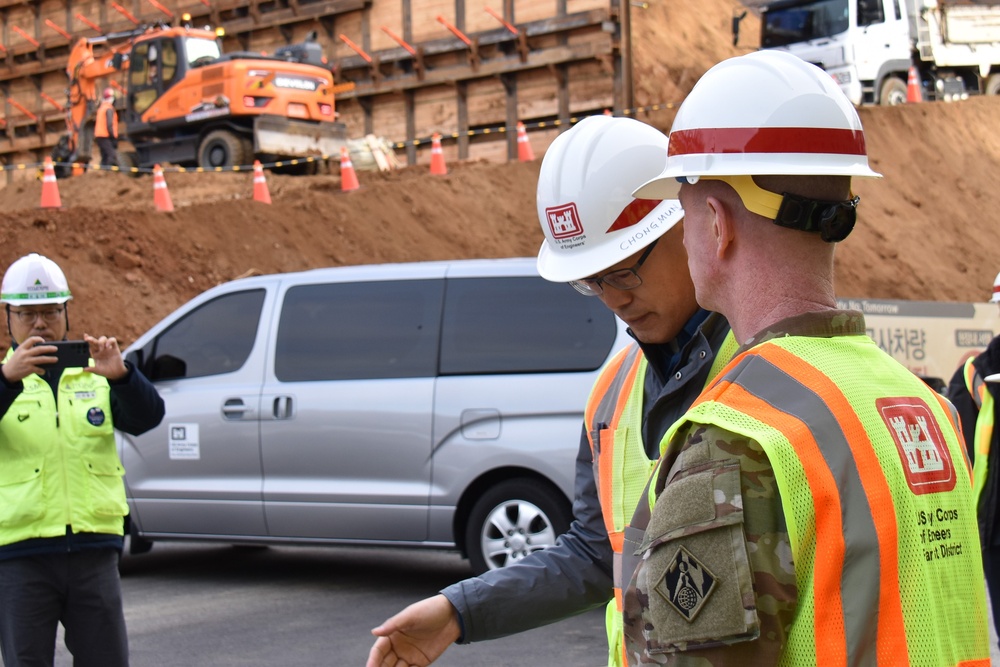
x=183 y=442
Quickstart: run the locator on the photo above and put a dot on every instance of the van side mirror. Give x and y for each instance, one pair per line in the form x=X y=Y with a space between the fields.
x=168 y=367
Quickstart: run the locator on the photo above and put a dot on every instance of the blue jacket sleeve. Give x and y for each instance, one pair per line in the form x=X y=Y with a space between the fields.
x=569 y=578
x=136 y=406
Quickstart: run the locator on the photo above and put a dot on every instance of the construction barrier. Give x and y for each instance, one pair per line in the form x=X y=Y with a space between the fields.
x=438 y=167
x=161 y=195
x=50 y=188
x=260 y=191
x=348 y=179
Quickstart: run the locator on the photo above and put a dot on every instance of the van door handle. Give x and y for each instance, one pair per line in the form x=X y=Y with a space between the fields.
x=282 y=407
x=235 y=408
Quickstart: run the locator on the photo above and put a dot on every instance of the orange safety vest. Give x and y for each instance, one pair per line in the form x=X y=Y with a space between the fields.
x=622 y=468
x=104 y=111
x=875 y=489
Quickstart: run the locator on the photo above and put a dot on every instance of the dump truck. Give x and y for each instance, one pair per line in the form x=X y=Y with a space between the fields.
x=185 y=102
x=869 y=46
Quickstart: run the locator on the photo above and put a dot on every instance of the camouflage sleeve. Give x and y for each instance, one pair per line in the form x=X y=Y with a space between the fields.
x=716 y=585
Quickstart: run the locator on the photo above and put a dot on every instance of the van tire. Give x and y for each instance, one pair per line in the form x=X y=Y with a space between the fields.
x=513 y=519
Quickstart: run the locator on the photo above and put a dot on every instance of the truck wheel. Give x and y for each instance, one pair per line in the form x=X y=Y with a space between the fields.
x=222 y=148
x=511 y=520
x=993 y=85
x=893 y=92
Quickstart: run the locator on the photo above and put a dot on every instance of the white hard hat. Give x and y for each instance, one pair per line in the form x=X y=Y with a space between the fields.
x=767 y=112
x=585 y=205
x=34 y=279
x=996 y=290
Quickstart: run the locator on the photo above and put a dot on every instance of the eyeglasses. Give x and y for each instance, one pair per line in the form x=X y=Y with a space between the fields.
x=29 y=316
x=622 y=279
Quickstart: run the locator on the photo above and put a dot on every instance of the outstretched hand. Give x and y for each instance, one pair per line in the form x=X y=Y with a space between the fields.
x=416 y=636
x=108 y=361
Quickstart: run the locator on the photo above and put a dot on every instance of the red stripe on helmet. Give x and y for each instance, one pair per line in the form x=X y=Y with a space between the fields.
x=633 y=213
x=767 y=140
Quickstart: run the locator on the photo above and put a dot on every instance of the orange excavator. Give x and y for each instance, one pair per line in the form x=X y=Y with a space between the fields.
x=187 y=103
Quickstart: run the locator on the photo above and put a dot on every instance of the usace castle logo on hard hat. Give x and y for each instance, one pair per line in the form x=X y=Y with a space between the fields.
x=564 y=221
x=922 y=448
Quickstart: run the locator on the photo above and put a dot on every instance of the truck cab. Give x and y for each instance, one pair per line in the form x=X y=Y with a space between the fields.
x=869 y=46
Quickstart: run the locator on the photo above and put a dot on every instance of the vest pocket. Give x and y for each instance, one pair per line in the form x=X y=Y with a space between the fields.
x=21 y=493
x=693 y=588
x=106 y=489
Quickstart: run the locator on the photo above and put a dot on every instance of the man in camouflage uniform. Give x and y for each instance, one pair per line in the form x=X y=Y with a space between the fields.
x=793 y=511
x=632 y=258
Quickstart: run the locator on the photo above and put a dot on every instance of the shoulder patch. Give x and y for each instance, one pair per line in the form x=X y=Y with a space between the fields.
x=686 y=584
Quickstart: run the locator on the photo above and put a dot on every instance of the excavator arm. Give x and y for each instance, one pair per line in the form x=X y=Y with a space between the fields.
x=84 y=68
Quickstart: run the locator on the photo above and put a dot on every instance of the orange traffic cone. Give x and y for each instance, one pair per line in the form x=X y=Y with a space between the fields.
x=913 y=92
x=524 y=152
x=607 y=112
x=161 y=196
x=438 y=167
x=50 y=189
x=348 y=179
x=260 y=192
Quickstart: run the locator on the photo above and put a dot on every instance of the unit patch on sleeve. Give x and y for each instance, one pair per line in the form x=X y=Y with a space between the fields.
x=686 y=584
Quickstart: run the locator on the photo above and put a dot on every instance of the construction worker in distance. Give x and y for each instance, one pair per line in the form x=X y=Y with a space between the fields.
x=106 y=129
x=629 y=254
x=62 y=498
x=975 y=391
x=814 y=506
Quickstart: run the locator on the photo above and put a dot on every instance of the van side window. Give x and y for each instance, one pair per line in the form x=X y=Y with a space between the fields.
x=214 y=338
x=355 y=331
x=522 y=325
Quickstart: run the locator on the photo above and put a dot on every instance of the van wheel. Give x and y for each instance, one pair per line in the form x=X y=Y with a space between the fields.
x=893 y=92
x=222 y=148
x=511 y=520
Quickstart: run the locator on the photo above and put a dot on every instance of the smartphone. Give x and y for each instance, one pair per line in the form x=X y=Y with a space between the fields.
x=70 y=354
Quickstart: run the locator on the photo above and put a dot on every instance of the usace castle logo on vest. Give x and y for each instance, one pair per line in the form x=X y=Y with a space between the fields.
x=921 y=445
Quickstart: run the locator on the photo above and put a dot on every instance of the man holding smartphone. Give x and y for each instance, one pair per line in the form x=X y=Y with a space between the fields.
x=62 y=498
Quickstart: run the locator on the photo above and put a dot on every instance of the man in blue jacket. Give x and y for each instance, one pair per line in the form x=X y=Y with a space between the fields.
x=62 y=498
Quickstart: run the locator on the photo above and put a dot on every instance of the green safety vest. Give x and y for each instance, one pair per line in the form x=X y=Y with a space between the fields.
x=60 y=465
x=621 y=466
x=864 y=476
x=984 y=426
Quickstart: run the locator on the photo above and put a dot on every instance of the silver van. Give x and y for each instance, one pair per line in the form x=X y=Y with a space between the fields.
x=431 y=404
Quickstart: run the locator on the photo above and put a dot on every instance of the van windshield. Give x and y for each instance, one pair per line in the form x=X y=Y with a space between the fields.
x=791 y=22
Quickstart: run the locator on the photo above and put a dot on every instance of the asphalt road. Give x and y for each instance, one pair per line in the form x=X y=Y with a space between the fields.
x=195 y=605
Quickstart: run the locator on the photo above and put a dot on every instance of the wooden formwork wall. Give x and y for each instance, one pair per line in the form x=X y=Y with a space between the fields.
x=467 y=69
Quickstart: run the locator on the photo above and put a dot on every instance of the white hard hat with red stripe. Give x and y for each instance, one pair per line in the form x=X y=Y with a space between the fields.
x=34 y=279
x=589 y=217
x=996 y=290
x=767 y=112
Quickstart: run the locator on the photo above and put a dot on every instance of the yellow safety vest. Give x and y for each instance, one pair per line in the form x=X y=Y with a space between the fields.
x=621 y=467
x=59 y=464
x=876 y=495
x=984 y=426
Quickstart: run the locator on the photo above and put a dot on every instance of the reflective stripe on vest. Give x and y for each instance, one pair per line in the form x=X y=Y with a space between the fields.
x=984 y=427
x=621 y=466
x=913 y=593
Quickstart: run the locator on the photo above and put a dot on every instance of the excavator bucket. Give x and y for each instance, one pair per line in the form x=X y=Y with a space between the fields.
x=277 y=135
